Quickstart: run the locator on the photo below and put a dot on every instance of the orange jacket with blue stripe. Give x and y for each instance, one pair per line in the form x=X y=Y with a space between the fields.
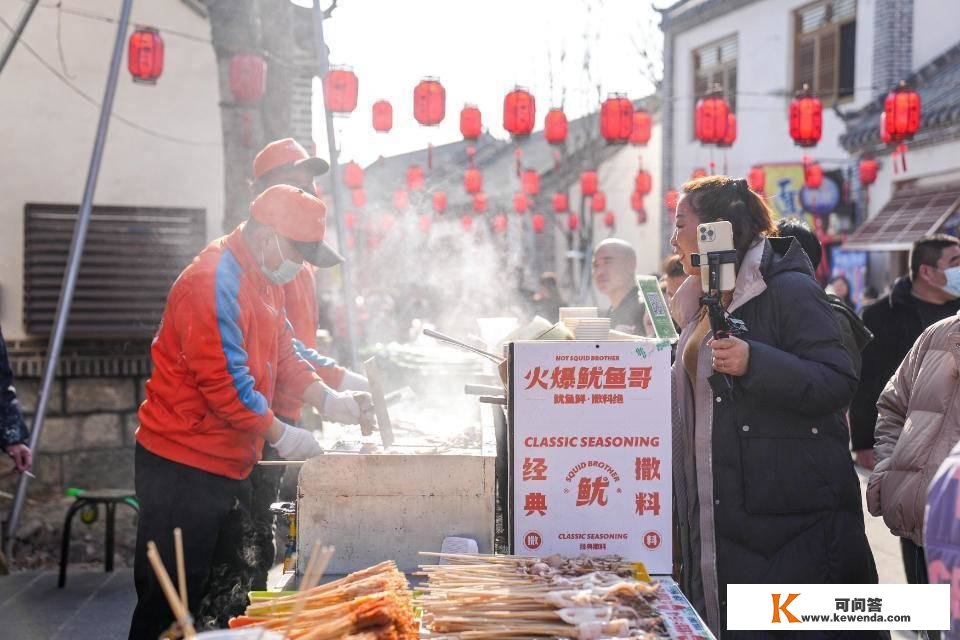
x=300 y=303
x=224 y=345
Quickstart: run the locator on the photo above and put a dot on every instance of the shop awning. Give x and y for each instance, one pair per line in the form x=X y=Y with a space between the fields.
x=908 y=216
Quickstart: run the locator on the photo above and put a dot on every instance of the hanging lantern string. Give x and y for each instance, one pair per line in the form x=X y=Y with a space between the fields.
x=93 y=101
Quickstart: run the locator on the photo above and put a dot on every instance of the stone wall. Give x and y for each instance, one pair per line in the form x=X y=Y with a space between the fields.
x=88 y=435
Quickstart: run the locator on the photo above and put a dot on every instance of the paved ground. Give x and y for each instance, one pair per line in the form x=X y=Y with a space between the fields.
x=97 y=606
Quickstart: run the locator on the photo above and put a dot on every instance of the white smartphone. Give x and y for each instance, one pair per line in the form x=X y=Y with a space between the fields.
x=713 y=237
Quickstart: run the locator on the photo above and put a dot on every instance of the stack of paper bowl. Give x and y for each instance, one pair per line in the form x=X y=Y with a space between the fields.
x=570 y=316
x=592 y=328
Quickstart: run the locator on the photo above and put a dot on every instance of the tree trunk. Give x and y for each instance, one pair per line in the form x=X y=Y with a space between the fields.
x=280 y=32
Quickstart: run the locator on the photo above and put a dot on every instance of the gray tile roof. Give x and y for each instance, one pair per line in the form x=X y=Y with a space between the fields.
x=938 y=84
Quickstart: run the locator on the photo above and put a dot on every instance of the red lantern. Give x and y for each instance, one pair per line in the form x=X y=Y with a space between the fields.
x=561 y=202
x=358 y=197
x=539 y=222
x=598 y=202
x=466 y=221
x=439 y=201
x=340 y=89
x=530 y=181
x=868 y=171
x=425 y=222
x=472 y=181
x=470 y=123
x=555 y=126
x=698 y=172
x=588 y=183
x=382 y=116
x=731 y=136
x=349 y=220
x=670 y=199
x=616 y=119
x=806 y=119
x=636 y=201
x=610 y=220
x=812 y=174
x=429 y=102
x=642 y=216
x=710 y=118
x=642 y=126
x=479 y=203
x=757 y=179
x=248 y=77
x=387 y=222
x=145 y=55
x=519 y=111
x=520 y=202
x=414 y=177
x=500 y=223
x=353 y=175
x=401 y=199
x=901 y=109
x=644 y=182
x=573 y=222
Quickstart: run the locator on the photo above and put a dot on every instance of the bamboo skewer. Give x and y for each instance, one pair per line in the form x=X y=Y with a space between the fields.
x=319 y=559
x=181 y=566
x=173 y=599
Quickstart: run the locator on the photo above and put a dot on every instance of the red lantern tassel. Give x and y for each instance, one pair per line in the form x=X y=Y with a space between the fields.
x=556 y=158
x=429 y=155
x=902 y=150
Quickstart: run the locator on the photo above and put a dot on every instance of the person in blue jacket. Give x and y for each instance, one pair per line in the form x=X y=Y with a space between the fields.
x=13 y=430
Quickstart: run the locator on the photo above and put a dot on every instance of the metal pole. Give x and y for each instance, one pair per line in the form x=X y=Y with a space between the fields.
x=345 y=268
x=17 y=32
x=73 y=265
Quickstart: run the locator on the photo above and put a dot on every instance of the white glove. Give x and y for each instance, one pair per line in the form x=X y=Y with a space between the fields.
x=354 y=382
x=297 y=444
x=349 y=407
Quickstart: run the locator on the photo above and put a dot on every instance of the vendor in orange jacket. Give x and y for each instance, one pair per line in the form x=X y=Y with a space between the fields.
x=287 y=162
x=223 y=348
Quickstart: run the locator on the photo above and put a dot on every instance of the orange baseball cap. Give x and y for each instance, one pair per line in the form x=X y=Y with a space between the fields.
x=299 y=217
x=286 y=153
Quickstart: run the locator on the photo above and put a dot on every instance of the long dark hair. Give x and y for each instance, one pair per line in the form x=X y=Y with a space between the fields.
x=716 y=198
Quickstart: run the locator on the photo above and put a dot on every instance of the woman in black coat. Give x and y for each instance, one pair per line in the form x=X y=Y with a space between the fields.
x=765 y=487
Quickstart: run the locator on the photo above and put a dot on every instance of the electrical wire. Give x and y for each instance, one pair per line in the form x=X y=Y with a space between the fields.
x=93 y=101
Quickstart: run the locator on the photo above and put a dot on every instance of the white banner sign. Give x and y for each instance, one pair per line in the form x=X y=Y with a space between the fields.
x=802 y=607
x=591 y=450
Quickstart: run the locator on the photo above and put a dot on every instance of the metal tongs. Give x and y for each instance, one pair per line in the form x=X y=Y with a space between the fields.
x=463 y=345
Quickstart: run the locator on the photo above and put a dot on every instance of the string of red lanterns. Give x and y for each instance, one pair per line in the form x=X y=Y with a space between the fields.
x=616 y=119
x=340 y=89
x=710 y=118
x=470 y=122
x=519 y=111
x=382 y=116
x=555 y=126
x=429 y=102
x=806 y=118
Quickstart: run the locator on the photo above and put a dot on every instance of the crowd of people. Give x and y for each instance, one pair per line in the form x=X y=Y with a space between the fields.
x=767 y=423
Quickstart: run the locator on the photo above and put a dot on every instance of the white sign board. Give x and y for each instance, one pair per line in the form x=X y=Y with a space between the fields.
x=591 y=450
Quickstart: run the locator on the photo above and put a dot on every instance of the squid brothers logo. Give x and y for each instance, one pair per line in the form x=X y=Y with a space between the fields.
x=779 y=607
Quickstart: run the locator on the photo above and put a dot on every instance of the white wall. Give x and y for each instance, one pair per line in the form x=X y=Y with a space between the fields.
x=48 y=130
x=935 y=29
x=765 y=41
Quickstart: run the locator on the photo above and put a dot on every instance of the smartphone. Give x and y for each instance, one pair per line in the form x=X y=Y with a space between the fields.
x=712 y=237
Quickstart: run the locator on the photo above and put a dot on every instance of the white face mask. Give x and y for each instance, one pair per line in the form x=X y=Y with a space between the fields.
x=952 y=286
x=287 y=270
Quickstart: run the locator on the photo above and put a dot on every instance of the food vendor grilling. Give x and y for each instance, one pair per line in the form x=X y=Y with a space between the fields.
x=223 y=347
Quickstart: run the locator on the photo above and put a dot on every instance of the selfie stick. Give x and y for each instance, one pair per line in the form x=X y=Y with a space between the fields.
x=722 y=325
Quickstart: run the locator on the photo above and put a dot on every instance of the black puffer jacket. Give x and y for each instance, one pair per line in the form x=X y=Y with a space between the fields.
x=12 y=428
x=775 y=497
x=896 y=322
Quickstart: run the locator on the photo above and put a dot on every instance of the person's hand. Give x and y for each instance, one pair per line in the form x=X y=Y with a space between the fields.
x=21 y=456
x=866 y=459
x=730 y=355
x=349 y=407
x=354 y=382
x=297 y=444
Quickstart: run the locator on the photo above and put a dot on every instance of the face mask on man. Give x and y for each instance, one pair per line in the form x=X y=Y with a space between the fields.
x=952 y=286
x=287 y=270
